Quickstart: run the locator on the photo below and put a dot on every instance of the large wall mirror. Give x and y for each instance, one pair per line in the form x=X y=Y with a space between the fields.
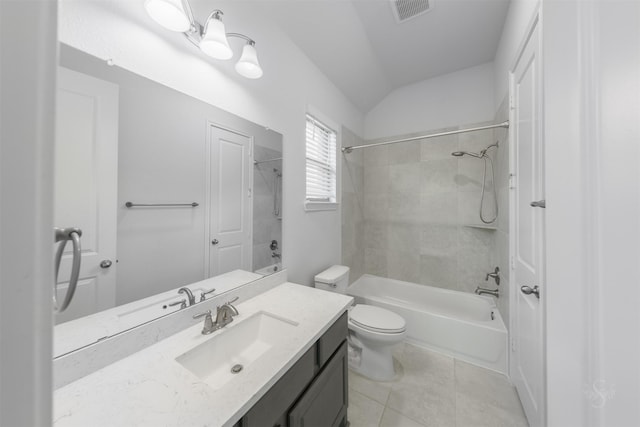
x=169 y=191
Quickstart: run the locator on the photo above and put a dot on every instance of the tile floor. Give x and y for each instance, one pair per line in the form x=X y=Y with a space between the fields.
x=433 y=390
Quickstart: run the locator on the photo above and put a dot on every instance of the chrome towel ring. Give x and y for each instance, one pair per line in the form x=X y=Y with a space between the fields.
x=64 y=235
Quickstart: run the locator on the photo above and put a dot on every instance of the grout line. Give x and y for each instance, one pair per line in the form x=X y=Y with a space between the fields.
x=406 y=416
x=455 y=393
x=382 y=416
x=386 y=402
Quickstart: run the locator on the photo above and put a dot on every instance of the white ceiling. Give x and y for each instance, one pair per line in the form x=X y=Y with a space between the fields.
x=361 y=48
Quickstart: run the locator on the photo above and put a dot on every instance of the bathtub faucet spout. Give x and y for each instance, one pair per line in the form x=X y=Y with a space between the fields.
x=494 y=292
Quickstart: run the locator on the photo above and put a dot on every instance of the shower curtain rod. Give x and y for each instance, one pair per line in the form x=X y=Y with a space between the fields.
x=433 y=135
x=257 y=162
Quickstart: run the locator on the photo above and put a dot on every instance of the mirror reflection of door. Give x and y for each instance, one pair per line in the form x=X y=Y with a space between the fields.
x=230 y=207
x=85 y=192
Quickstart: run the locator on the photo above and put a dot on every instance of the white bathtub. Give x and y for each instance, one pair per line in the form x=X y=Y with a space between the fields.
x=462 y=325
x=269 y=269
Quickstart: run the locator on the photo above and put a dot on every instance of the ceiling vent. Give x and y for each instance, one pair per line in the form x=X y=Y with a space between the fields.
x=403 y=10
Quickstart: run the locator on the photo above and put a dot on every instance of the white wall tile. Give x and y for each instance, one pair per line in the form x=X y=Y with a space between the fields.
x=376 y=179
x=375 y=261
x=376 y=156
x=440 y=147
x=439 y=208
x=418 y=199
x=404 y=152
x=375 y=234
x=403 y=265
x=439 y=270
x=438 y=239
x=474 y=258
x=352 y=207
x=404 y=178
x=404 y=207
x=470 y=173
x=438 y=175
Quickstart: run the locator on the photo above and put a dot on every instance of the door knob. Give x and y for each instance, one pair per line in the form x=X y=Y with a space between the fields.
x=528 y=290
x=539 y=204
x=105 y=263
x=215 y=242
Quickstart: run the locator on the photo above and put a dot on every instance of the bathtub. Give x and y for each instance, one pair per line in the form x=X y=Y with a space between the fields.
x=269 y=269
x=465 y=326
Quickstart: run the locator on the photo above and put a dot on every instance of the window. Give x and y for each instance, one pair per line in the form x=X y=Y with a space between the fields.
x=321 y=165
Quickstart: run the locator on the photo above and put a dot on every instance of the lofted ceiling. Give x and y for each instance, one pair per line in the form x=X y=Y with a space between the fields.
x=366 y=53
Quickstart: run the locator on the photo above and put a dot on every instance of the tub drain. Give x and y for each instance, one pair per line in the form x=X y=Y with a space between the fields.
x=236 y=368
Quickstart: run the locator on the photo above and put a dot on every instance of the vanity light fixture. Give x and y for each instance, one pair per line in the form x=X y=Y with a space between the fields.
x=212 y=39
x=248 y=65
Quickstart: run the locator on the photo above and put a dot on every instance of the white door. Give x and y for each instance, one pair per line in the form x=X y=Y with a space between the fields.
x=527 y=229
x=85 y=191
x=230 y=207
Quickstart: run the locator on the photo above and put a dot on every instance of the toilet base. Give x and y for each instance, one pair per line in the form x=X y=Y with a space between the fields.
x=376 y=362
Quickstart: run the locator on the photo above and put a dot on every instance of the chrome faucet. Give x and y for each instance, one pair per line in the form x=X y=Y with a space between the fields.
x=495 y=275
x=224 y=316
x=275 y=254
x=494 y=292
x=190 y=297
x=209 y=326
x=182 y=303
x=203 y=295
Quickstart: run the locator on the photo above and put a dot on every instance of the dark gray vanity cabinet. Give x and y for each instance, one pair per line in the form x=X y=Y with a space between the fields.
x=313 y=392
x=324 y=404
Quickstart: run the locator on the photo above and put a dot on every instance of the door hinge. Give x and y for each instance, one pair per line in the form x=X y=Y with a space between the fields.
x=512 y=181
x=513 y=344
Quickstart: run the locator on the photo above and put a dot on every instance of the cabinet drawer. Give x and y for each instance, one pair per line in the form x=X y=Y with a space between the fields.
x=324 y=404
x=332 y=339
x=281 y=396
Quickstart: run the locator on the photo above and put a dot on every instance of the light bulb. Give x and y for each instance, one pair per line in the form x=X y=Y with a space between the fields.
x=248 y=65
x=168 y=13
x=214 y=39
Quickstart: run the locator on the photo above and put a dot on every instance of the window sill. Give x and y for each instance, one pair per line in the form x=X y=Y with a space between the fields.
x=320 y=206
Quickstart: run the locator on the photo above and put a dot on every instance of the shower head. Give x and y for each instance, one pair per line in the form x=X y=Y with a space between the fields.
x=462 y=153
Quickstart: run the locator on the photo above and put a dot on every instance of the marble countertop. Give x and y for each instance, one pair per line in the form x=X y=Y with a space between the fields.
x=77 y=333
x=150 y=388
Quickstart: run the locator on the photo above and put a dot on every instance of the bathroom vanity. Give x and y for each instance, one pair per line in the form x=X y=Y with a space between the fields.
x=287 y=346
x=313 y=392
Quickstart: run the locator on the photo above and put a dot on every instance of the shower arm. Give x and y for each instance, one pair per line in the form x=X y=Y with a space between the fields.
x=484 y=152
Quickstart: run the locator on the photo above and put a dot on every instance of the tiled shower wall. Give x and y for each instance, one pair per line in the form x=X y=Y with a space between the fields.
x=267 y=217
x=420 y=211
x=352 y=206
x=500 y=255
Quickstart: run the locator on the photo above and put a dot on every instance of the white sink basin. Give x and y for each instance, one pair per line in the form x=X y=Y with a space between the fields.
x=241 y=343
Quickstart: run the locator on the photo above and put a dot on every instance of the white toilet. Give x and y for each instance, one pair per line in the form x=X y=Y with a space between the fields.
x=372 y=330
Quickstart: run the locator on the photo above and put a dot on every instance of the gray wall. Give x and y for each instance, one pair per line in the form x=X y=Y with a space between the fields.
x=162 y=140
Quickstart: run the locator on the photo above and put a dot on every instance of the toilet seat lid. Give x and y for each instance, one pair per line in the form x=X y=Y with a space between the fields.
x=376 y=319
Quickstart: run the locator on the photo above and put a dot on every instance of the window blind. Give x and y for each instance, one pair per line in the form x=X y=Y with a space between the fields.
x=321 y=162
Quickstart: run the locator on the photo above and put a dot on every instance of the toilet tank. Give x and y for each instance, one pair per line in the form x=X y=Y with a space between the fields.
x=334 y=278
